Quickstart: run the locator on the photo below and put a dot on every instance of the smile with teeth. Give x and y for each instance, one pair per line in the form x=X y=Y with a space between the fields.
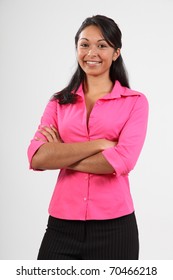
x=93 y=62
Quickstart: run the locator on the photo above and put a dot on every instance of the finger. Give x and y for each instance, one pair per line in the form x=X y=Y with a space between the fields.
x=50 y=133
x=47 y=134
x=40 y=139
x=54 y=129
x=53 y=133
x=56 y=132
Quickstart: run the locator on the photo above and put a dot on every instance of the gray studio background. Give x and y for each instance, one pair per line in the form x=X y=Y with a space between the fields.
x=37 y=58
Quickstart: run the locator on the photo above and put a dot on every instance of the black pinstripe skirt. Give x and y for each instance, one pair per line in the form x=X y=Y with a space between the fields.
x=115 y=239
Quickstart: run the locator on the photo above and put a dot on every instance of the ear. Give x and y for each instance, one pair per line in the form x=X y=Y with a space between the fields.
x=116 y=54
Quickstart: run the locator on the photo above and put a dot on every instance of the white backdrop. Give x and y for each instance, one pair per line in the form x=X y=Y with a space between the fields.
x=37 y=58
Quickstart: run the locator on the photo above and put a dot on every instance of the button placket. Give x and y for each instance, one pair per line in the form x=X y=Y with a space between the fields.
x=92 y=116
x=86 y=191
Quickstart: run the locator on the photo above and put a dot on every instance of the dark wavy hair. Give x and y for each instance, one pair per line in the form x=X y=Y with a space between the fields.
x=112 y=34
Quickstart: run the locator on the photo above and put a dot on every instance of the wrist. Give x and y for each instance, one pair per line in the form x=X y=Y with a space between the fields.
x=99 y=145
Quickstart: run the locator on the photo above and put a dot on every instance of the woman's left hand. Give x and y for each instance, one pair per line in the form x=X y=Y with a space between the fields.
x=51 y=134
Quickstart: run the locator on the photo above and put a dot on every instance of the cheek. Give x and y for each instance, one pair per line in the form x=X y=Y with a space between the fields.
x=80 y=54
x=80 y=58
x=109 y=59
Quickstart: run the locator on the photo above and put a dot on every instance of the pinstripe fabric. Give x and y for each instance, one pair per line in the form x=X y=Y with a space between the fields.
x=115 y=239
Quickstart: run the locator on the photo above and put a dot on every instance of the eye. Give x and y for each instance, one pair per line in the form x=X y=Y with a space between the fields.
x=102 y=46
x=84 y=45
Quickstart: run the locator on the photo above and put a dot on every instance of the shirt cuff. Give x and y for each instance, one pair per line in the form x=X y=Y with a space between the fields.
x=33 y=147
x=115 y=160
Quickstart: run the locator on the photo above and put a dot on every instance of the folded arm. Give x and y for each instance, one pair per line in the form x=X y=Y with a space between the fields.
x=122 y=157
x=54 y=154
x=96 y=164
x=97 y=156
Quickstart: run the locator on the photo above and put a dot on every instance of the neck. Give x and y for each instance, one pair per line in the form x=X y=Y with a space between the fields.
x=97 y=85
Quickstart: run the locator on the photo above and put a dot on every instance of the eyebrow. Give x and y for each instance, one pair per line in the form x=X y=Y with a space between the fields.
x=88 y=40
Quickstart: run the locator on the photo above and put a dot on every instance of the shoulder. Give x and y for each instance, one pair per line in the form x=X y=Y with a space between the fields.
x=122 y=91
x=132 y=92
x=140 y=97
x=51 y=106
x=137 y=99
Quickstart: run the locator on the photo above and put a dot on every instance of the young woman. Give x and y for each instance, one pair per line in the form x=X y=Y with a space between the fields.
x=93 y=131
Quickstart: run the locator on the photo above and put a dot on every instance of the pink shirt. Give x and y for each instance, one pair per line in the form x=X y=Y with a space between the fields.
x=120 y=115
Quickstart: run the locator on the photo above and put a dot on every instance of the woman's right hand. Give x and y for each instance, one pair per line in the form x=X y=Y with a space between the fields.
x=106 y=144
x=51 y=134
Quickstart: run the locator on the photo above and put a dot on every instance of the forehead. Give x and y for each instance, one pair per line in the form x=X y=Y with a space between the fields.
x=91 y=32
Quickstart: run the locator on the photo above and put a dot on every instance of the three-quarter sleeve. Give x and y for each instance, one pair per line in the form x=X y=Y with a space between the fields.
x=124 y=155
x=48 y=118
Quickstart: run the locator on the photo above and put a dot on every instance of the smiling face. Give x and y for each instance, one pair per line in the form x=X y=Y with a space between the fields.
x=94 y=54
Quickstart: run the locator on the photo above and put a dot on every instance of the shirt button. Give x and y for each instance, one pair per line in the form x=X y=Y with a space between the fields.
x=86 y=177
x=85 y=199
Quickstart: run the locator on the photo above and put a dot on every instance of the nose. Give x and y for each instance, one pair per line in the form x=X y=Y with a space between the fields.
x=92 y=52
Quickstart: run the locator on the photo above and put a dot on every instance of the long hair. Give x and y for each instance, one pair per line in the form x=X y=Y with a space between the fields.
x=112 y=34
